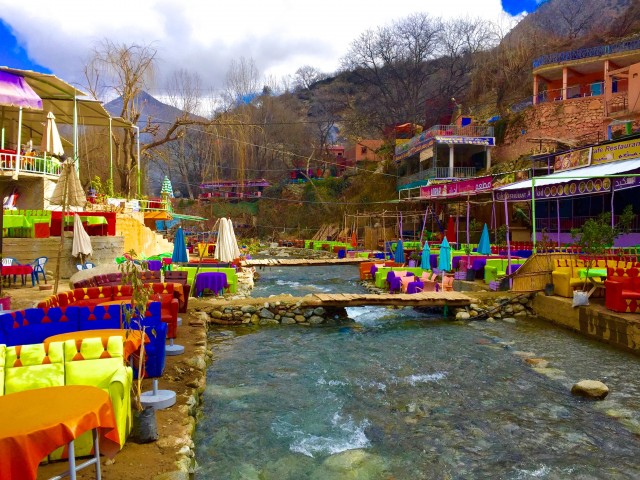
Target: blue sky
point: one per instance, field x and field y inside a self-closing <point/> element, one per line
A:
<point x="13" y="55"/>
<point x="515" y="7"/>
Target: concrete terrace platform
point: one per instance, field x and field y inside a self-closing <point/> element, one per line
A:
<point x="622" y="330"/>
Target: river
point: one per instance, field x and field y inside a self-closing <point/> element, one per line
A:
<point x="401" y="394"/>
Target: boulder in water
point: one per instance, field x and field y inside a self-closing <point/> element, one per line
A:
<point x="590" y="389"/>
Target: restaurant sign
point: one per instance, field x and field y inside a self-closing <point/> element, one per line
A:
<point x="456" y="189"/>
<point x="414" y="145"/>
<point x="571" y="160"/>
<point x="616" y="151"/>
<point x="460" y="140"/>
<point x="572" y="188"/>
<point x="611" y="152"/>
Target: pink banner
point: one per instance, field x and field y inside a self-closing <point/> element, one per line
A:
<point x="456" y="189"/>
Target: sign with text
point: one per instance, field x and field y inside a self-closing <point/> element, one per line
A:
<point x="456" y="189"/>
<point x="414" y="145"/>
<point x="459" y="140"/>
<point x="616" y="151"/>
<point x="573" y="188"/>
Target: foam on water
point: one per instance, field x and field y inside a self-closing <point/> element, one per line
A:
<point x="332" y="383"/>
<point x="344" y="434"/>
<point x="424" y="378"/>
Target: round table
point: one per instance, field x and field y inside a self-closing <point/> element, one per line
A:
<point x="47" y="418"/>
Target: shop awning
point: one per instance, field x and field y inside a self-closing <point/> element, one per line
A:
<point x="593" y="171"/>
<point x="592" y="180"/>
<point x="193" y="218"/>
<point x="16" y="92"/>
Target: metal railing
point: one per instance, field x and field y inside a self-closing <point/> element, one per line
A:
<point x="615" y="106"/>
<point x="586" y="53"/>
<point x="567" y="223"/>
<point x="30" y="164"/>
<point x="437" y="172"/>
<point x="455" y="130"/>
<point x="581" y="90"/>
<point x="458" y="172"/>
<point x="153" y="204"/>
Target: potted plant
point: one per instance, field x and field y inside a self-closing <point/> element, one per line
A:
<point x="594" y="237"/>
<point x="501" y="237"/>
<point x="471" y="273"/>
<point x="414" y="258"/>
<point x="545" y="246"/>
<point x="144" y="420"/>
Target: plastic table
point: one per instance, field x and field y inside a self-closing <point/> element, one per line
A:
<point x="214" y="281"/>
<point x="47" y="418"/>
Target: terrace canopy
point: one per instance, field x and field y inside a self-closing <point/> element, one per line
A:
<point x="16" y="92"/>
<point x="601" y="179"/>
<point x="69" y="105"/>
<point x="522" y="190"/>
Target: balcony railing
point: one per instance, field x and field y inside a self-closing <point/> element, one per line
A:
<point x="458" y="172"/>
<point x="457" y="131"/>
<point x="30" y="164"/>
<point x="153" y="204"/>
<point x="437" y="172"/>
<point x="582" y="90"/>
<point x="567" y="223"/>
<point x="587" y="53"/>
<point x="617" y="106"/>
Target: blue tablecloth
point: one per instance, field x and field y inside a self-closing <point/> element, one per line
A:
<point x="415" y="287"/>
<point x="214" y="281"/>
<point x="372" y="271"/>
<point x="154" y="265"/>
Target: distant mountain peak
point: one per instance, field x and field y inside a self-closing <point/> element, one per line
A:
<point x="151" y="107"/>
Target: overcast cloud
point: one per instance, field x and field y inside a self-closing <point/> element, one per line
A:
<point x="203" y="36"/>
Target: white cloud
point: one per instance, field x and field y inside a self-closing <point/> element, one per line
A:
<point x="203" y="36"/>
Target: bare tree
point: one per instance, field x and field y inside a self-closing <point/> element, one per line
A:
<point x="396" y="63"/>
<point x="126" y="71"/>
<point x="307" y="75"/>
<point x="242" y="82"/>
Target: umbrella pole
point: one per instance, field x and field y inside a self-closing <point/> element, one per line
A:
<point x="61" y="247"/>
<point x="206" y="247"/>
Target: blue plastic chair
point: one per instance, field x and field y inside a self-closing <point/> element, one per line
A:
<point x="38" y="269"/>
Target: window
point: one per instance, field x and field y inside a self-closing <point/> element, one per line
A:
<point x="363" y="150"/>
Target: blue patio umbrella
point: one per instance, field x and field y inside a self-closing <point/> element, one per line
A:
<point x="426" y="255"/>
<point x="399" y="255"/>
<point x="444" y="259"/>
<point x="179" y="248"/>
<point x="484" y="246"/>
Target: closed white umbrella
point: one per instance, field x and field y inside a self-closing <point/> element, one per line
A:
<point x="51" y="142"/>
<point x="222" y="244"/>
<point x="68" y="192"/>
<point x="233" y="243"/>
<point x="81" y="240"/>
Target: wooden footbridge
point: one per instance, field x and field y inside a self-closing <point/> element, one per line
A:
<point x="422" y="299"/>
<point x="302" y="262"/>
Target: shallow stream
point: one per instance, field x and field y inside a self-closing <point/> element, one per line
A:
<point x="407" y="395"/>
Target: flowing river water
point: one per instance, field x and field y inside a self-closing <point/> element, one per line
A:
<point x="402" y="394"/>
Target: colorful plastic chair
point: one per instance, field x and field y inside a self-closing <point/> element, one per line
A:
<point x="38" y="269"/>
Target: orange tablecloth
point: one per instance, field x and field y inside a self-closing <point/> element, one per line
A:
<point x="131" y="338"/>
<point x="36" y="422"/>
